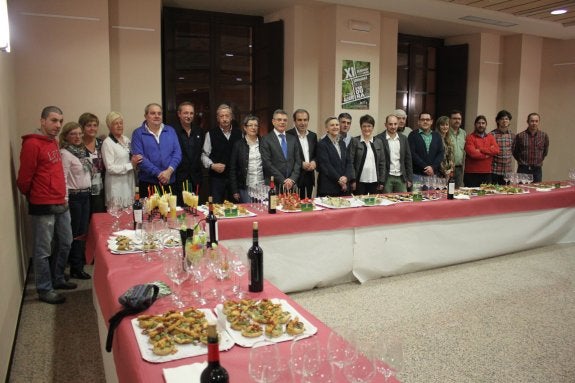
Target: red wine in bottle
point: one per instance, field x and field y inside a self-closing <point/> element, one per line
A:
<point x="214" y="372"/>
<point x="212" y="222"/>
<point x="451" y="187"/>
<point x="272" y="197"/>
<point x="138" y="210"/>
<point x="256" y="259"/>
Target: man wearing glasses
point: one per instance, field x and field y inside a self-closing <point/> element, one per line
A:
<point x="426" y="147"/>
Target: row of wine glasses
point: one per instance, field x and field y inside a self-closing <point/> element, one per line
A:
<point x="310" y="363"/>
<point x="259" y="196"/>
<point x="518" y="178"/>
<point x="572" y="176"/>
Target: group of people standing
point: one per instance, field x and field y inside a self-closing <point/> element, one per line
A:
<point x="67" y="172"/>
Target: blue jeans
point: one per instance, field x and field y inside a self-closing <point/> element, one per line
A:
<point x="44" y="228"/>
<point x="80" y="218"/>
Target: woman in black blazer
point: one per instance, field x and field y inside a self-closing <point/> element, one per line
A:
<point x="367" y="158"/>
<point x="333" y="165"/>
<point x="246" y="162"/>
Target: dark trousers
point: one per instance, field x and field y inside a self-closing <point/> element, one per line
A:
<point x="305" y="191"/>
<point x="473" y="180"/>
<point x="145" y="186"/>
<point x="498" y="179"/>
<point x="220" y="189"/>
<point x="178" y="188"/>
<point x="366" y="188"/>
<point x="80" y="218"/>
<point x="535" y="170"/>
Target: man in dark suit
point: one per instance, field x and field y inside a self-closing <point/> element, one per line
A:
<point x="280" y="154"/>
<point x="307" y="141"/>
<point x="191" y="138"/>
<point x="426" y="147"/>
<point x="334" y="166"/>
<point x="397" y="157"/>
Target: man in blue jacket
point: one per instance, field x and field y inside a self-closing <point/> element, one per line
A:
<point x="161" y="154"/>
<point x="426" y="147"/>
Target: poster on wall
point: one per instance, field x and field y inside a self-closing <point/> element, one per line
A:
<point x="355" y="84"/>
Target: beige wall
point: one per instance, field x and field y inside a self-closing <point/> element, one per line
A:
<point x="11" y="267"/>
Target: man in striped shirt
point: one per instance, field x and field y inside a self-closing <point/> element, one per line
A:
<point x="530" y="148"/>
<point x="501" y="164"/>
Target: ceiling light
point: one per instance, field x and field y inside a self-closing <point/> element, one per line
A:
<point x="558" y="11"/>
<point x="484" y="20"/>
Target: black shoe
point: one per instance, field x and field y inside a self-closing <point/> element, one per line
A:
<point x="52" y="297"/>
<point x="80" y="275"/>
<point x="65" y="285"/>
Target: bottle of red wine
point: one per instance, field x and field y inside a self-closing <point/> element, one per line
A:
<point x="214" y="372"/>
<point x="138" y="210"/>
<point x="272" y="197"/>
<point x="212" y="222"/>
<point x="450" y="187"/>
<point x="256" y="259"/>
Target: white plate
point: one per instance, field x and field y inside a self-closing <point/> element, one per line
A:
<point x="204" y="210"/>
<point x="249" y="342"/>
<point x="315" y="208"/>
<point x="353" y="203"/>
<point x="184" y="350"/>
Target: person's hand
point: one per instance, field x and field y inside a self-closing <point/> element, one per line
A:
<point x="380" y="187"/>
<point x="288" y="183"/>
<point x="236" y="196"/>
<point x="218" y="167"/>
<point x="136" y="159"/>
<point x="353" y="186"/>
<point x="428" y="170"/>
<point x="164" y="176"/>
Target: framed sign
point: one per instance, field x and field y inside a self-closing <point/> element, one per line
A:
<point x="355" y="84"/>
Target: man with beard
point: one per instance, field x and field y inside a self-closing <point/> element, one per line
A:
<point x="307" y="141"/>
<point x="479" y="149"/>
<point x="426" y="147"/>
<point x="530" y="148"/>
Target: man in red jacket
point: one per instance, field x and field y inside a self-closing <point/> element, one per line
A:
<point x="480" y="148"/>
<point x="41" y="179"/>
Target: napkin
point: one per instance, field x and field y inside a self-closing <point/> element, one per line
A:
<point x="184" y="374"/>
<point x="544" y="189"/>
<point x="461" y="196"/>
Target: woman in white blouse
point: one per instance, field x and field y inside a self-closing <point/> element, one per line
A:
<point x="119" y="163"/>
<point x="78" y="170"/>
<point x="367" y="159"/>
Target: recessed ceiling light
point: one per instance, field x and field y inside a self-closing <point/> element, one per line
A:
<point x="558" y="11"/>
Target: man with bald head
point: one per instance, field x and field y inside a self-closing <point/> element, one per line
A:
<point x="397" y="157"/>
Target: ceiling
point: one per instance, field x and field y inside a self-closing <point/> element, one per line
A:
<point x="538" y="9"/>
<point x="430" y="18"/>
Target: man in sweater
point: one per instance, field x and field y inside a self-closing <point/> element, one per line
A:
<point x="41" y="179"/>
<point x="480" y="148"/>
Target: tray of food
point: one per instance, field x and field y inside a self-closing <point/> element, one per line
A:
<point x="228" y="210"/>
<point x="409" y="197"/>
<point x="250" y="321"/>
<point x="175" y="334"/>
<point x="337" y="202"/>
<point x="372" y="200"/>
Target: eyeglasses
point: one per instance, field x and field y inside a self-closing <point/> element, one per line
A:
<point x="425" y="119"/>
<point x="76" y="134"/>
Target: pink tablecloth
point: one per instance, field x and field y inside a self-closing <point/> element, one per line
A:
<point x="114" y="274"/>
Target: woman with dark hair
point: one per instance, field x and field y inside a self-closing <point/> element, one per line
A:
<point x="447" y="166"/>
<point x="480" y="148"/>
<point x="367" y="157"/>
<point x="78" y="171"/>
<point x="333" y="164"/>
<point x="90" y="123"/>
<point x="246" y="162"/>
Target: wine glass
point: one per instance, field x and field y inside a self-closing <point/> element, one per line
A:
<point x="201" y="271"/>
<point x="305" y="357"/>
<point x="127" y="208"/>
<point x="149" y="242"/>
<point x="175" y="270"/>
<point x="220" y="268"/>
<point x="362" y="370"/>
<point x="507" y="178"/>
<point x="115" y="210"/>
<point x="340" y="348"/>
<point x="264" y="365"/>
<point x="572" y="176"/>
<point x="388" y="356"/>
<point x="238" y="261"/>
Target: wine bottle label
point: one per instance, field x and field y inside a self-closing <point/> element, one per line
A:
<point x="138" y="216"/>
<point x="273" y="201"/>
<point x="451" y="188"/>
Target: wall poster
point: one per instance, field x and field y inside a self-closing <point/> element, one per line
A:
<point x="355" y="84"/>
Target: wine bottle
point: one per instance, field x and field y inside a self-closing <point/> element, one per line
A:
<point x="256" y="259"/>
<point x="272" y="197"/>
<point x="450" y="187"/>
<point x="212" y="221"/>
<point x="138" y="210"/>
<point x="214" y="372"/>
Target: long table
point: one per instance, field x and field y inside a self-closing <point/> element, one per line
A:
<point x="331" y="246"/>
<point x="114" y="274"/>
